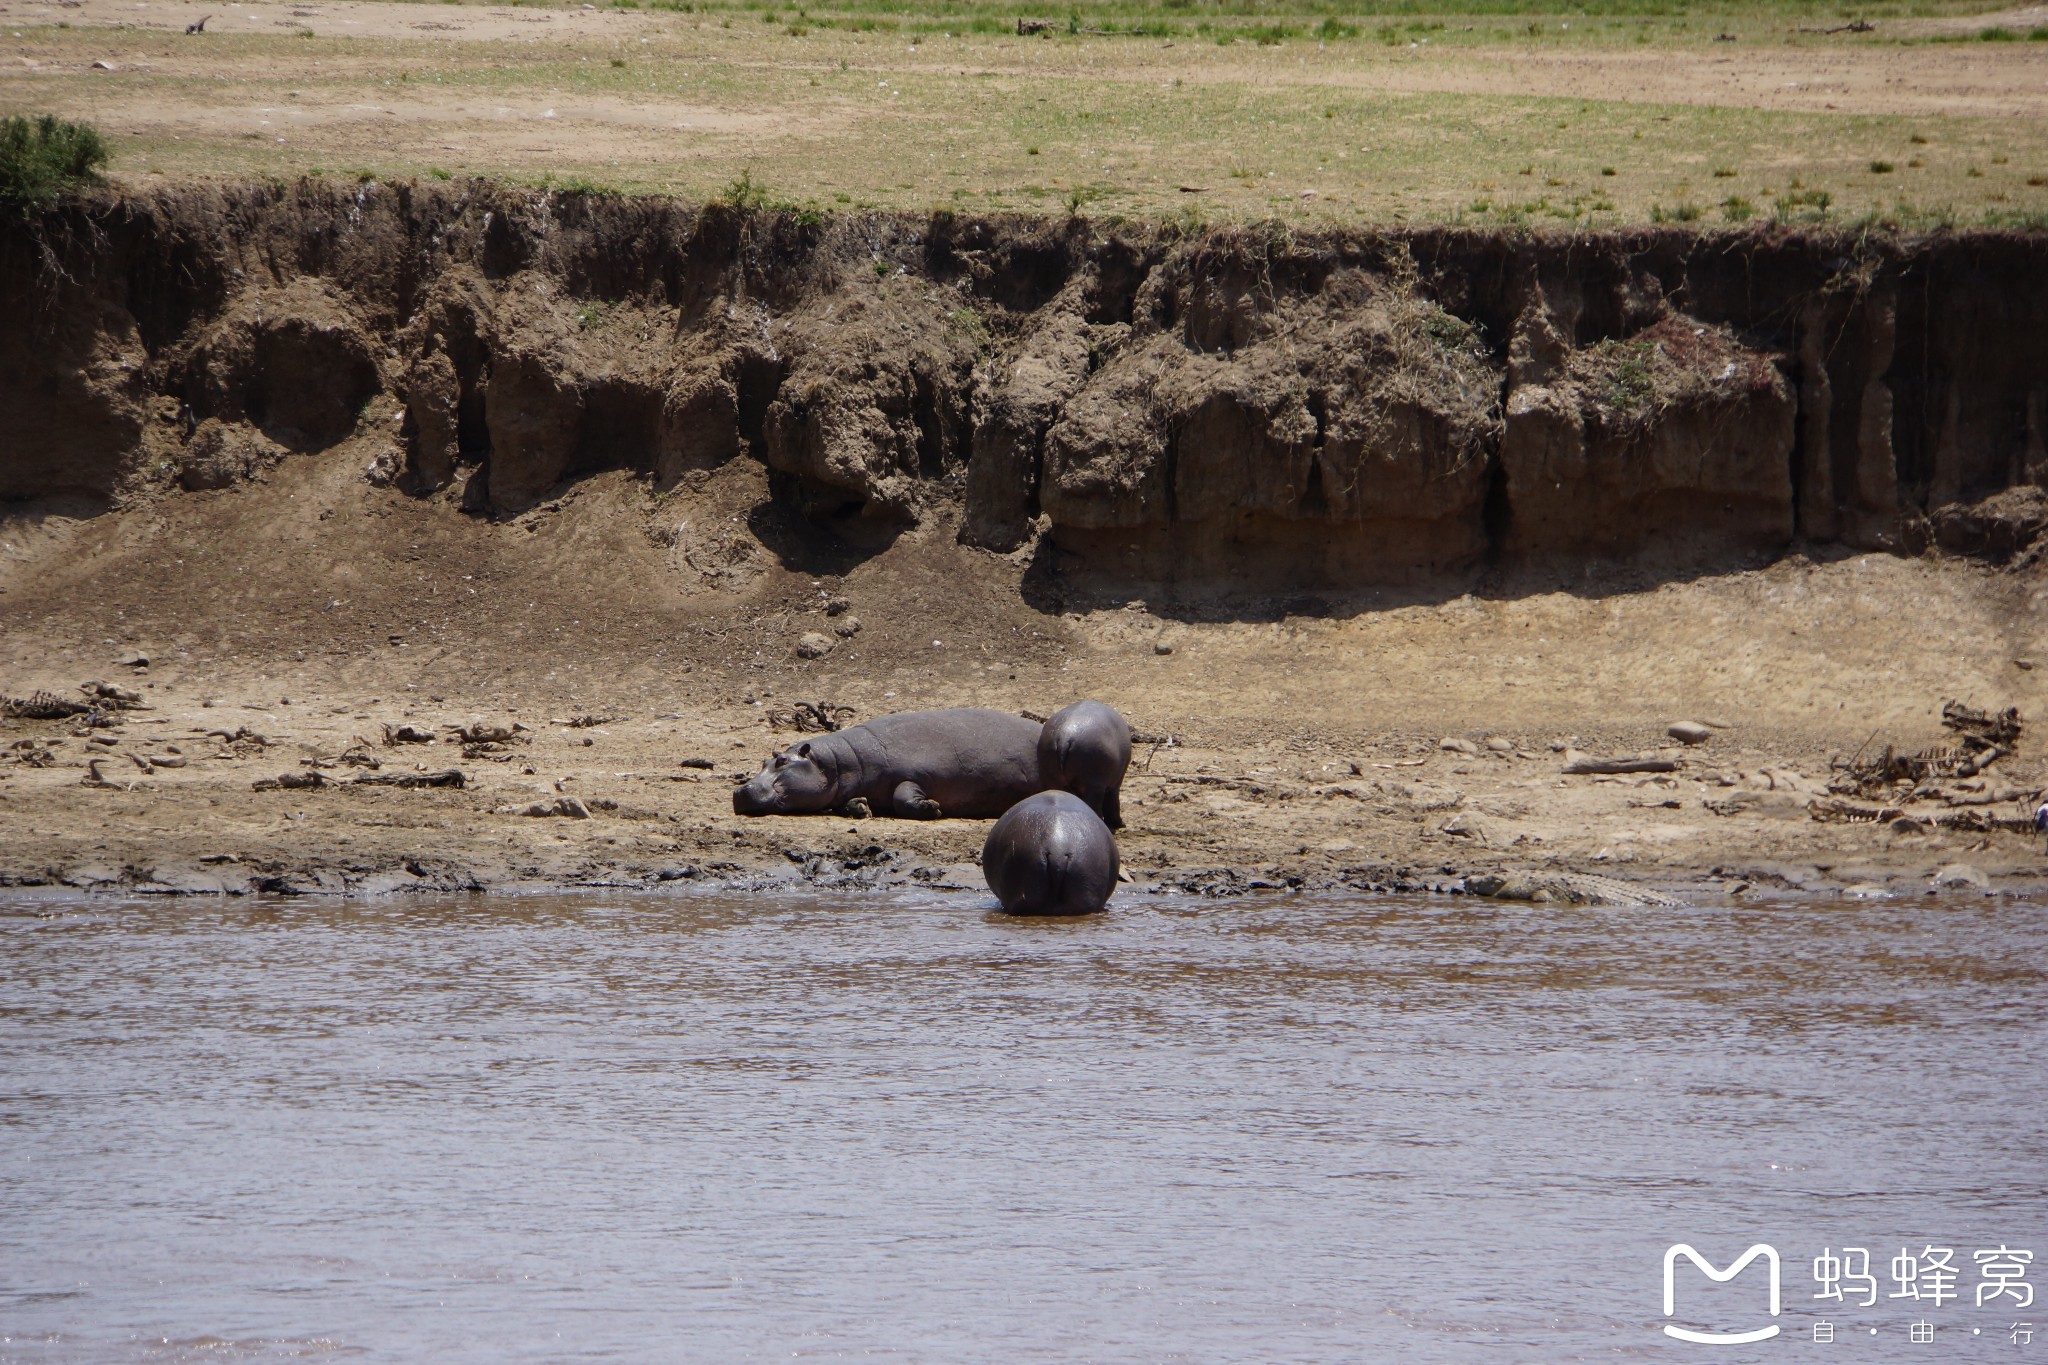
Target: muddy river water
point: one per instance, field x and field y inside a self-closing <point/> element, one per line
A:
<point x="728" y="1127"/>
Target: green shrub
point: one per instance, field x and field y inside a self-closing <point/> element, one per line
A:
<point x="744" y="195"/>
<point x="43" y="159"/>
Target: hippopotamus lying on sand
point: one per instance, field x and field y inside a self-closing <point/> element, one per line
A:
<point x="1050" y="855"/>
<point x="966" y="763"/>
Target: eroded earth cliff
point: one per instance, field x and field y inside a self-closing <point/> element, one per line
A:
<point x="1239" y="408"/>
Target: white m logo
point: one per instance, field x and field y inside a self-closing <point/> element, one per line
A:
<point x="1671" y="1255"/>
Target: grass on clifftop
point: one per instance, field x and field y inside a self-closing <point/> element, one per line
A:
<point x="1497" y="115"/>
<point x="44" y="158"/>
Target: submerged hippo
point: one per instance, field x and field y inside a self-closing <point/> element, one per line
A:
<point x="1084" y="749"/>
<point x="966" y="763"/>
<point x="1050" y="855"/>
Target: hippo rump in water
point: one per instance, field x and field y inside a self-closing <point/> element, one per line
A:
<point x="1050" y="854"/>
<point x="1084" y="749"/>
<point x="965" y="763"/>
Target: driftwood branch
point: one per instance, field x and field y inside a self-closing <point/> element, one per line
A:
<point x="1582" y="765"/>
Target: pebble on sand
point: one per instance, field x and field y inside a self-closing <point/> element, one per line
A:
<point x="1690" y="732"/>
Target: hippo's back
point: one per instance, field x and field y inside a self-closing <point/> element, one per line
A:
<point x="958" y="729"/>
<point x="975" y="763"/>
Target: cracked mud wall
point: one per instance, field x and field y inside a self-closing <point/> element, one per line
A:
<point x="1238" y="409"/>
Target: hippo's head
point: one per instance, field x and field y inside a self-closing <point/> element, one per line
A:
<point x="791" y="783"/>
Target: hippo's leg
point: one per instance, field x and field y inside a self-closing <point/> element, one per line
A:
<point x="1112" y="809"/>
<point x="856" y="809"/>
<point x="910" y="801"/>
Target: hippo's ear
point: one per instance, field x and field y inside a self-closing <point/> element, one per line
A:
<point x="803" y="750"/>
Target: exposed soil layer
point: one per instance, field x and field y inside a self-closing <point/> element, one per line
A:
<point x="420" y="455"/>
<point x="1247" y="409"/>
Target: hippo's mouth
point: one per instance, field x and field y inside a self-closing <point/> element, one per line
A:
<point x="748" y="801"/>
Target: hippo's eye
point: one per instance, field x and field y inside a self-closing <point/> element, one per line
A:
<point x="782" y="760"/>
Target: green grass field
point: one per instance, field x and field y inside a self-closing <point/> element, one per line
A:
<point x="1622" y="112"/>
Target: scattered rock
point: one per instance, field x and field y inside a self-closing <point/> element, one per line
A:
<point x="814" y="645"/>
<point x="86" y="875"/>
<point x="811" y="717"/>
<point x="1500" y="744"/>
<point x="847" y="628"/>
<point x="1690" y="732"/>
<point x="1961" y="877"/>
<point x="224" y="454"/>
<point x="704" y="763"/>
<point x="1752" y="801"/>
<point x="306" y="781"/>
<point x="838" y="606"/>
<point x="480" y="733"/>
<point x="1161" y="647"/>
<point x="445" y="777"/>
<point x="567" y="806"/>
<point x="109" y="694"/>
<point x="384" y="468"/>
<point x="1999" y="528"/>
<point x="1459" y="746"/>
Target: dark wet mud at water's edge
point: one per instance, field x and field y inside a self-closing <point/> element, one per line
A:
<point x="721" y="1126"/>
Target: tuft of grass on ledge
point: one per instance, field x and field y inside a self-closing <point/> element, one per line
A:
<point x="42" y="159"/>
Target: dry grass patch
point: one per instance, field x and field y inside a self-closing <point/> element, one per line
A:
<point x="1396" y="122"/>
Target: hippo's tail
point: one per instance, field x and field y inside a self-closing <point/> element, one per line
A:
<point x="1059" y="873"/>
